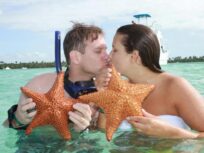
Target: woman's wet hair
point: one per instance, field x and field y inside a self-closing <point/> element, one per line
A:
<point x="141" y="38"/>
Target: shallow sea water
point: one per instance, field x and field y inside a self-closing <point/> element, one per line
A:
<point x="46" y="139"/>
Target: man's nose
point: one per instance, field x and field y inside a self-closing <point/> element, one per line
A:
<point x="105" y="55"/>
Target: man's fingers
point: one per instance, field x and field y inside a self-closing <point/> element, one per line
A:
<point x="32" y="114"/>
<point x="78" y="120"/>
<point x="27" y="101"/>
<point x="84" y="109"/>
<point x="27" y="107"/>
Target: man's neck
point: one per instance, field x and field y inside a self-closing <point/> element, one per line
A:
<point x="75" y="75"/>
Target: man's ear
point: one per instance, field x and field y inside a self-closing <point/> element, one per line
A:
<point x="135" y="57"/>
<point x="75" y="56"/>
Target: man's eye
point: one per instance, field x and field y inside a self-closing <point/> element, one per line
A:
<point x="114" y="50"/>
<point x="98" y="51"/>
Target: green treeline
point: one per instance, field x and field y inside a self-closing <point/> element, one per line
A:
<point x="186" y="59"/>
<point x="28" y="65"/>
<point x="42" y="64"/>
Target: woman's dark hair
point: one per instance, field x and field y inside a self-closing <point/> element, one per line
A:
<point x="142" y="38"/>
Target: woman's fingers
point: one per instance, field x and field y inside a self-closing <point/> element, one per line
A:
<point x="103" y="78"/>
<point x="139" y="119"/>
<point x="142" y="124"/>
<point x="146" y="114"/>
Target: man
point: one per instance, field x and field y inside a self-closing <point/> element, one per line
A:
<point x="85" y="52"/>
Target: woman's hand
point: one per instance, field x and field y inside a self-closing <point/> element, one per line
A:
<point x="102" y="79"/>
<point x="153" y="126"/>
<point x="26" y="111"/>
<point x="81" y="116"/>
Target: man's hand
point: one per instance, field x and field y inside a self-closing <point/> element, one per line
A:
<point x="23" y="113"/>
<point x="81" y="116"/>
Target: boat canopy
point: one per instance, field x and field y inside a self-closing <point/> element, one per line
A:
<point x="142" y="15"/>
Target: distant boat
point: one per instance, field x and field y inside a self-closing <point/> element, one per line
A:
<point x="7" y="68"/>
<point x="143" y="19"/>
<point x="24" y="68"/>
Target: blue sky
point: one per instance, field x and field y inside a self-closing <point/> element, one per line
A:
<point x="27" y="26"/>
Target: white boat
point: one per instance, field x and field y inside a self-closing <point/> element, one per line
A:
<point x="164" y="55"/>
<point x="7" y="68"/>
<point x="143" y="19"/>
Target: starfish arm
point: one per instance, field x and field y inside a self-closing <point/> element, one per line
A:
<point x="140" y="91"/>
<point x="60" y="122"/>
<point x="39" y="120"/>
<point x="67" y="104"/>
<point x="101" y="98"/>
<point x="37" y="97"/>
<point x="114" y="83"/>
<point x="58" y="86"/>
<point x="113" y="120"/>
<point x="133" y="107"/>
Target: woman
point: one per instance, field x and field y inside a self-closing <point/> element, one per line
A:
<point x="174" y="104"/>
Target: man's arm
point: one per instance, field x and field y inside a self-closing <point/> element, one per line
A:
<point x="22" y="114"/>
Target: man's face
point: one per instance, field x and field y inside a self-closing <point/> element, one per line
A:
<point x="95" y="56"/>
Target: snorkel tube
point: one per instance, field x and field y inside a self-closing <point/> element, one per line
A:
<point x="57" y="52"/>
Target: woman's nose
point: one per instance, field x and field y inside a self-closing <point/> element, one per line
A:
<point x="110" y="55"/>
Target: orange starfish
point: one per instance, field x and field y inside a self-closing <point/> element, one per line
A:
<point x="52" y="108"/>
<point x="120" y="100"/>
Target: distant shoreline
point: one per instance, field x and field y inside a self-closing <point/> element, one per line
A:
<point x="28" y="65"/>
<point x="20" y="65"/>
<point x="189" y="59"/>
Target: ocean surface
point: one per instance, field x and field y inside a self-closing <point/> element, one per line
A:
<point x="46" y="140"/>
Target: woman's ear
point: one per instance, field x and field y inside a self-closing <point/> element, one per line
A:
<point x="135" y="57"/>
<point x="75" y="56"/>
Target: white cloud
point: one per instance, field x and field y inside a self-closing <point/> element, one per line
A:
<point x="45" y="15"/>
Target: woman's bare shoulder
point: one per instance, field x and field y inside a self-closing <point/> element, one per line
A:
<point x="173" y="80"/>
<point x="179" y="87"/>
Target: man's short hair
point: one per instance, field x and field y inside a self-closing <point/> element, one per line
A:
<point x="75" y="38"/>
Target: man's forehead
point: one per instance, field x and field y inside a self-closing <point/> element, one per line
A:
<point x="97" y="43"/>
<point x="101" y="46"/>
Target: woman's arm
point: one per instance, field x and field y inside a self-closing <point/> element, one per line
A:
<point x="188" y="103"/>
<point x="153" y="126"/>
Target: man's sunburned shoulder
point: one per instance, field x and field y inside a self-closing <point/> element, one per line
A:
<point x="42" y="82"/>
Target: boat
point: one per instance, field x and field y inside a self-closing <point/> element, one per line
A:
<point x="144" y="19"/>
<point x="7" y="68"/>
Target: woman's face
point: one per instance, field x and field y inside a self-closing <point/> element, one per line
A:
<point x="119" y="57"/>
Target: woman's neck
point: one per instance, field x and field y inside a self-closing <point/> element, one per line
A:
<point x="143" y="75"/>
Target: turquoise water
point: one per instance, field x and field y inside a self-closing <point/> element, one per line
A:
<point x="45" y="139"/>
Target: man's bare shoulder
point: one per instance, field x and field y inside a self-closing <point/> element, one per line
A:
<point x="42" y="82"/>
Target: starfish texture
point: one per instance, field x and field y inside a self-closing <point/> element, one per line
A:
<point x="52" y="108"/>
<point x="120" y="100"/>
